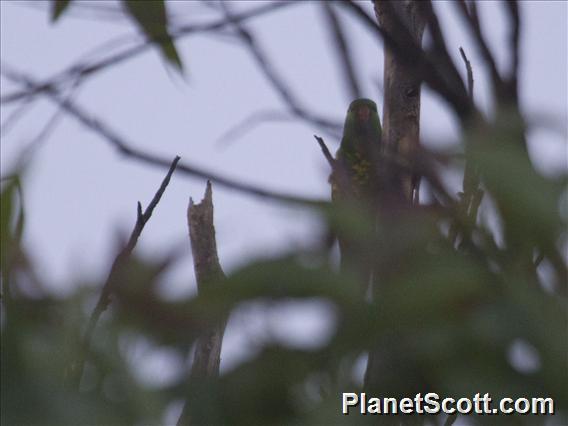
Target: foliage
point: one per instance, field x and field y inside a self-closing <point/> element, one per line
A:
<point x="444" y="315"/>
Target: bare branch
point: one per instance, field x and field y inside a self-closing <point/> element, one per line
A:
<point x="208" y="272"/>
<point x="408" y="52"/>
<point x="469" y="73"/>
<point x="326" y="152"/>
<point x="472" y="195"/>
<point x="15" y="115"/>
<point x="128" y="149"/>
<point x="203" y="243"/>
<point x="514" y="41"/>
<point x="113" y="276"/>
<point x="49" y="127"/>
<point x="472" y="19"/>
<point x="250" y="122"/>
<point x="82" y="71"/>
<point x="440" y="51"/>
<point x="342" y="47"/>
<point x="261" y="117"/>
<point x="272" y="75"/>
<point x="82" y="10"/>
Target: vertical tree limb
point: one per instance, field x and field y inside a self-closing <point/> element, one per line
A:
<point x="401" y="104"/>
<point x="208" y="272"/>
<point x="401" y="128"/>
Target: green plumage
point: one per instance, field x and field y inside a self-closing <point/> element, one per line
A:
<point x="354" y="178"/>
<point x="358" y="153"/>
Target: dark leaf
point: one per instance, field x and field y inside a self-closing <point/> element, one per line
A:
<point x="11" y="211"/>
<point x="58" y="7"/>
<point x="152" y="18"/>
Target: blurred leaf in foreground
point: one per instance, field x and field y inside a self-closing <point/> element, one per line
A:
<point x="58" y="7"/>
<point x="152" y="18"/>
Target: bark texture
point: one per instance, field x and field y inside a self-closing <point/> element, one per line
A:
<point x="401" y="104"/>
<point x="208" y="272"/>
<point x="401" y="128"/>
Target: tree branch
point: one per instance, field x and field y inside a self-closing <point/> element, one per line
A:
<point x="342" y="47"/>
<point x="409" y="53"/>
<point x="469" y="70"/>
<point x="81" y="71"/>
<point x="401" y="123"/>
<point x="269" y="71"/>
<point x="472" y="19"/>
<point x="262" y="117"/>
<point x="208" y="272"/>
<point x="472" y="195"/>
<point x="514" y="46"/>
<point x="401" y="106"/>
<point x="440" y="53"/>
<point x="128" y="149"/>
<point x="325" y="151"/>
<point x="113" y="277"/>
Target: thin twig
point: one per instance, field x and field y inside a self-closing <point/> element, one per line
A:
<point x="82" y="10"/>
<point x="472" y="19"/>
<point x="472" y="195"/>
<point x="118" y="264"/>
<point x="15" y="115"/>
<point x="255" y="119"/>
<point x="49" y="127"/>
<point x="342" y="47"/>
<point x="82" y="71"/>
<point x="469" y="73"/>
<point x="326" y="152"/>
<point x="514" y="48"/>
<point x="442" y="55"/>
<point x="271" y="74"/>
<point x="129" y="149"/>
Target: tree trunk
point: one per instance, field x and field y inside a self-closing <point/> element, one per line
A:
<point x="401" y="102"/>
<point x="401" y="126"/>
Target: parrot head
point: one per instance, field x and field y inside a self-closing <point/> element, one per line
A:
<point x="362" y="115"/>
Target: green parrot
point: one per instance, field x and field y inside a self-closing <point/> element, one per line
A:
<point x="359" y="150"/>
<point x="355" y="175"/>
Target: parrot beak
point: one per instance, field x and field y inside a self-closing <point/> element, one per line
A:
<point x="363" y="114"/>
